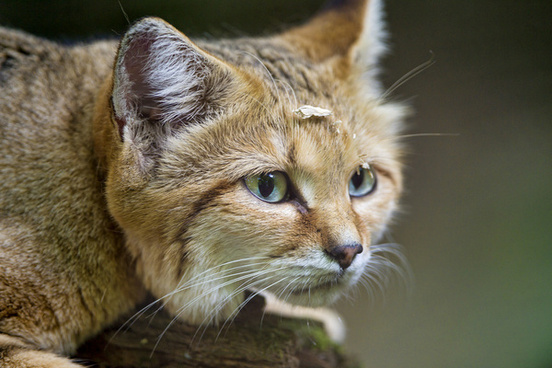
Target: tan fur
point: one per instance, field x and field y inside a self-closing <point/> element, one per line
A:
<point x="108" y="191"/>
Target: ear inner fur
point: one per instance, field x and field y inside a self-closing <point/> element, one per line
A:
<point x="163" y="81"/>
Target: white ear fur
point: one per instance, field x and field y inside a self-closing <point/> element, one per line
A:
<point x="353" y="29"/>
<point x="370" y="47"/>
<point x="371" y="44"/>
<point x="162" y="77"/>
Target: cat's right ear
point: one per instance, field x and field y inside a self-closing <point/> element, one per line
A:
<point x="348" y="30"/>
<point x="162" y="82"/>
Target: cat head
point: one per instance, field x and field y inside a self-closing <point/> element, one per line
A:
<point x="251" y="164"/>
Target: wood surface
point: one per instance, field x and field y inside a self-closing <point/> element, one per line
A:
<point x="252" y="340"/>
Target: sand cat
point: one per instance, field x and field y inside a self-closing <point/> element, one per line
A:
<point x="192" y="170"/>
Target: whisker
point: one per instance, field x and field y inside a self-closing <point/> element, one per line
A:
<point x="248" y="276"/>
<point x="223" y="273"/>
<point x="211" y="269"/>
<point x="387" y="261"/>
<point x="399" y="262"/>
<point x="411" y="74"/>
<point x="131" y="320"/>
<point x="290" y="88"/>
<point x="243" y="286"/>
<point x="291" y="290"/>
<point x="188" y="285"/>
<point x="266" y="70"/>
<point x="416" y="135"/>
<point x="280" y="293"/>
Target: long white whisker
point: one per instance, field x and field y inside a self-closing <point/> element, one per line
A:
<point x="131" y="320"/>
<point x="248" y="276"/>
<point x="290" y="88"/>
<point x="187" y="285"/>
<point x="224" y="276"/>
<point x="415" y="135"/>
<point x="398" y="262"/>
<point x="267" y="72"/>
<point x="241" y="288"/>
<point x="202" y="282"/>
<point x="211" y="269"/>
<point x="411" y="74"/>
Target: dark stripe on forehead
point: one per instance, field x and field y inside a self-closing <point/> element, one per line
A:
<point x="291" y="154"/>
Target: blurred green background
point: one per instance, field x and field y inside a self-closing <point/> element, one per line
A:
<point x="477" y="225"/>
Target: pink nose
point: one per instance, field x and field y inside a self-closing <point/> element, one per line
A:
<point x="345" y="254"/>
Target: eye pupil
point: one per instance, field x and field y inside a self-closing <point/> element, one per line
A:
<point x="358" y="179"/>
<point x="266" y="185"/>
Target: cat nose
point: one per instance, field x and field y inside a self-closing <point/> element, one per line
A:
<point x="345" y="254"/>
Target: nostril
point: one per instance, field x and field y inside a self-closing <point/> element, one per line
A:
<point x="345" y="254"/>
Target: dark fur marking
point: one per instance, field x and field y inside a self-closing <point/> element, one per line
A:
<point x="291" y="153"/>
<point x="208" y="197"/>
<point x="84" y="304"/>
<point x="8" y="312"/>
<point x="5" y="351"/>
<point x="307" y="84"/>
<point x="204" y="202"/>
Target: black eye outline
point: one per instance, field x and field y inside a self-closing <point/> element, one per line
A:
<point x="274" y="180"/>
<point x="363" y="181"/>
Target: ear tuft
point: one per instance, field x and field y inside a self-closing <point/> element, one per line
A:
<point x="162" y="78"/>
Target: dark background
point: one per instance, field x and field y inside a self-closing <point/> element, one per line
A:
<point x="477" y="225"/>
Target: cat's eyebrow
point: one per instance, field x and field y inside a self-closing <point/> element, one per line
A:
<point x="257" y="164"/>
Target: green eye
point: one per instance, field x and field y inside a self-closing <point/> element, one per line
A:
<point x="271" y="187"/>
<point x="362" y="182"/>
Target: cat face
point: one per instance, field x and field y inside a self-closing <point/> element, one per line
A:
<point x="221" y="181"/>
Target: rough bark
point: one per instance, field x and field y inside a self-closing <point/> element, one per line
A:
<point x="253" y="340"/>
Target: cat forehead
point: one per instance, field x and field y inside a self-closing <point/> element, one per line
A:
<point x="270" y="129"/>
<point x="315" y="148"/>
<point x="281" y="68"/>
<point x="259" y="141"/>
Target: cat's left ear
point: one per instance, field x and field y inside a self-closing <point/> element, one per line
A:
<point x="352" y="30"/>
<point x="162" y="81"/>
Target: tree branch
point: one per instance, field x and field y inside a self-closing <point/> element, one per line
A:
<point x="253" y="340"/>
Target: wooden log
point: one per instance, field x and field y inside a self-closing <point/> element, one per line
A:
<point x="252" y="340"/>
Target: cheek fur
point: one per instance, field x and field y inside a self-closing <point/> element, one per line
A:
<point x="376" y="210"/>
